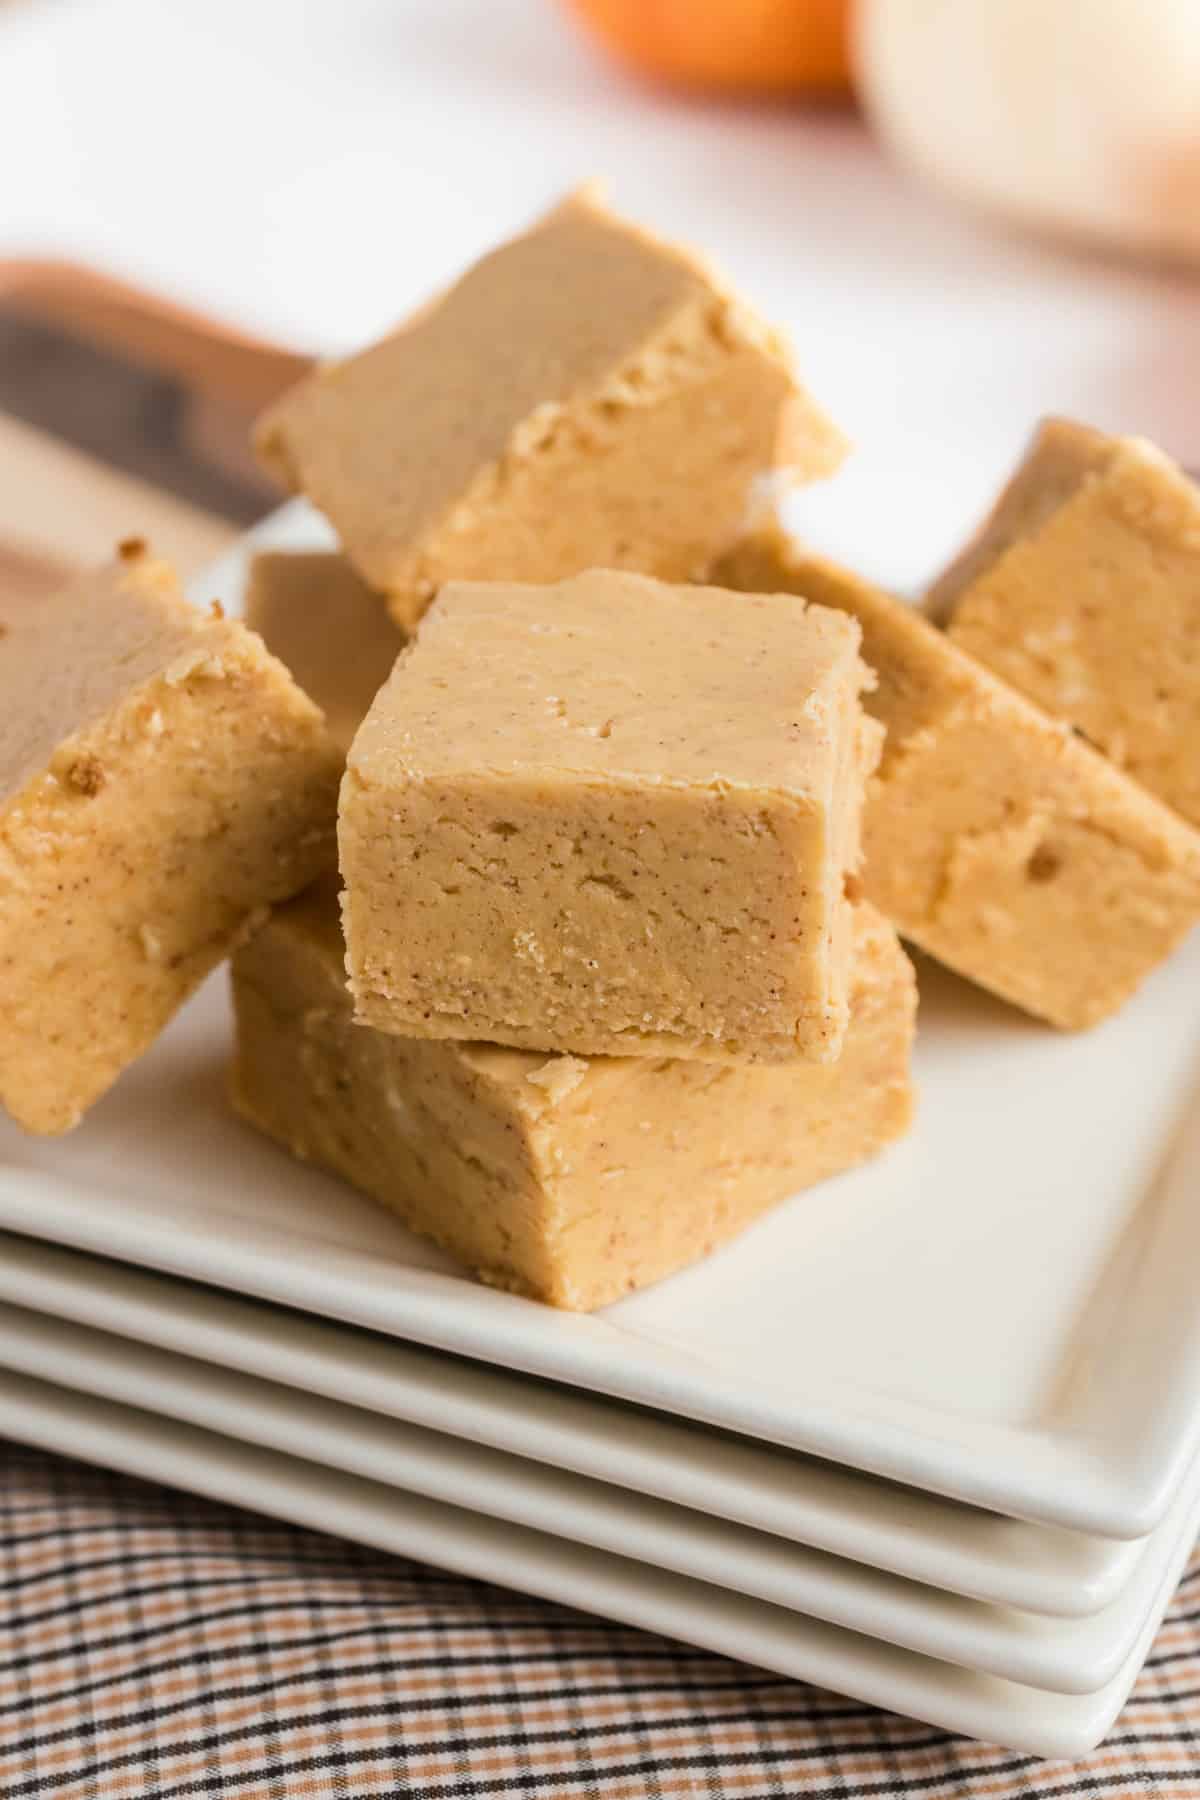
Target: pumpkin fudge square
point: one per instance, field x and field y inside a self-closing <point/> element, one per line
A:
<point x="1083" y="590"/>
<point x="613" y="817"/>
<point x="570" y="1180"/>
<point x="586" y="396"/>
<point x="993" y="836"/>
<point x="162" y="782"/>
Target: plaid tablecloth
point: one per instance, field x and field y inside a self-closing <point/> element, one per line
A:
<point x="155" y="1646"/>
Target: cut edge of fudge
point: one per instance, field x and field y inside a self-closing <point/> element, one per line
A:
<point x="994" y="837"/>
<point x="569" y="1180"/>
<point x="519" y="504"/>
<point x="1094" y="615"/>
<point x="1056" y="462"/>
<point x="570" y="880"/>
<point x="190" y="795"/>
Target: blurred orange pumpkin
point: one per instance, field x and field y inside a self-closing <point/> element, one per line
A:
<point x="763" y="46"/>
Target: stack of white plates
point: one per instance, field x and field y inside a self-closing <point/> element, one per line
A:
<point x="928" y="1435"/>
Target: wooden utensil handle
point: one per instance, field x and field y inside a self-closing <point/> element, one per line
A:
<point x="217" y="361"/>
<point x="66" y="492"/>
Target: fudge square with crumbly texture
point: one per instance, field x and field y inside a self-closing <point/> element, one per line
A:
<point x="994" y="837"/>
<point x="613" y="817"/>
<point x="333" y="632"/>
<point x="162" y="781"/>
<point x="586" y="396"/>
<point x="570" y="1180"/>
<point x="1083" y="591"/>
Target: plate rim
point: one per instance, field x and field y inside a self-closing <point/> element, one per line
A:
<point x="492" y="1406"/>
<point x="950" y="1698"/>
<point x="1073" y="1480"/>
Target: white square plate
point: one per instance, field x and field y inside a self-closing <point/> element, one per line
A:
<point x="962" y="1549"/>
<point x="1002" y="1309"/>
<point x="1076" y="1656"/>
<point x="470" y="1543"/>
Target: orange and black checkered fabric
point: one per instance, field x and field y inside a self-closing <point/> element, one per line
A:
<point x="157" y="1647"/>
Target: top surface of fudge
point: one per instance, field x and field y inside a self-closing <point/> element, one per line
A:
<point x="1059" y="460"/>
<point x="449" y="368"/>
<point x="616" y="677"/>
<point x="68" y="658"/>
<point x="332" y="631"/>
<point x="584" y="396"/>
<point x="1088" y="600"/>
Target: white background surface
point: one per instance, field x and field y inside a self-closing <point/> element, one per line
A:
<point x="313" y="167"/>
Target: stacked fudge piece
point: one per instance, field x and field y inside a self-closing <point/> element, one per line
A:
<point x="607" y="817"/>
<point x="612" y="1000"/>
<point x="611" y="989"/>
